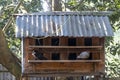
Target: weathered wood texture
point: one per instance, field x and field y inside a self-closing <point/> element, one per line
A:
<point x="95" y="65"/>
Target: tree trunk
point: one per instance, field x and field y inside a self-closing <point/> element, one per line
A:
<point x="51" y="5"/>
<point x="7" y="59"/>
<point x="57" y="5"/>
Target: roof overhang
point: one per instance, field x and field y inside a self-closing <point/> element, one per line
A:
<point x="71" y="24"/>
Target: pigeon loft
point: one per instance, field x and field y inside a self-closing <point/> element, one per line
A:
<point x="63" y="43"/>
<point x="61" y="58"/>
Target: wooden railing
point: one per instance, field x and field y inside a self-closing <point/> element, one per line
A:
<point x="98" y="47"/>
<point x="37" y="61"/>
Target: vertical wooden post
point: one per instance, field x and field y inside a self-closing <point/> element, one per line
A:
<point x="80" y="41"/>
<point x="95" y="55"/>
<point x="57" y="6"/>
<point x="101" y="65"/>
<point x="31" y="42"/>
<point x="47" y="42"/>
<point x="63" y="42"/>
<point x="25" y="57"/>
<point x="95" y="42"/>
<point x="102" y="55"/>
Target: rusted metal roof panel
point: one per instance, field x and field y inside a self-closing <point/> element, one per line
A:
<point x="65" y="24"/>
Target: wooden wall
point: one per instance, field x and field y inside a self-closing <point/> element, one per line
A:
<point x="94" y="65"/>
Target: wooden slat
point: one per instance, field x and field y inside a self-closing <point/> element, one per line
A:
<point x="63" y="74"/>
<point x="95" y="41"/>
<point x="46" y="41"/>
<point x="80" y="41"/>
<point x="37" y="61"/>
<point x="63" y="52"/>
<point x="65" y="46"/>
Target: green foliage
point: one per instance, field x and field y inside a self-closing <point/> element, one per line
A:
<point x="94" y="5"/>
<point x="32" y="5"/>
<point x="112" y="48"/>
<point x="112" y="57"/>
<point x="113" y="65"/>
<point x="6" y="10"/>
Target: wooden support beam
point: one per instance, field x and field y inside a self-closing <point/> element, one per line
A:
<point x="65" y="47"/>
<point x="87" y="61"/>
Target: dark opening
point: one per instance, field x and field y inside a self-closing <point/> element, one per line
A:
<point x="71" y="41"/>
<point x="72" y="56"/>
<point x="55" y="56"/>
<point x="39" y="42"/>
<point x="90" y="57"/>
<point x="55" y="42"/>
<point x="88" y="41"/>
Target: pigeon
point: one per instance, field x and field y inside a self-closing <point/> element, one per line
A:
<point x="84" y="55"/>
<point x="38" y="56"/>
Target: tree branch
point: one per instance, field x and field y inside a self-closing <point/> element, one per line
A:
<point x="80" y="3"/>
<point x="7" y="59"/>
<point x="10" y="20"/>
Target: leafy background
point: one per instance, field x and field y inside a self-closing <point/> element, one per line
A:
<point x="112" y="46"/>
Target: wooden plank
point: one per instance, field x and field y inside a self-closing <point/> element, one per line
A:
<point x="37" y="61"/>
<point x="26" y="56"/>
<point x="65" y="46"/>
<point x="58" y="66"/>
<point x="31" y="41"/>
<point x="26" y="66"/>
<point x="54" y="67"/>
<point x="96" y="56"/>
<point x="95" y="41"/>
<point x="74" y="74"/>
<point x="63" y="52"/>
<point x="80" y="41"/>
<point x="101" y="66"/>
<point x="102" y="43"/>
<point x="46" y="41"/>
<point x="63" y="41"/>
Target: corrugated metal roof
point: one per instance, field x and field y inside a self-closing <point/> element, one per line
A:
<point x="69" y="24"/>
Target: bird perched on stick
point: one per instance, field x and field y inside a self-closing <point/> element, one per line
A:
<point x="84" y="55"/>
<point x="38" y="56"/>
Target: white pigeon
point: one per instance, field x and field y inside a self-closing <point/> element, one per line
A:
<point x="84" y="55"/>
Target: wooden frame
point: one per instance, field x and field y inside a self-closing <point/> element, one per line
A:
<point x="94" y="65"/>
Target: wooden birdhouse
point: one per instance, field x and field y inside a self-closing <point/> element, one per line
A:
<point x="63" y="43"/>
